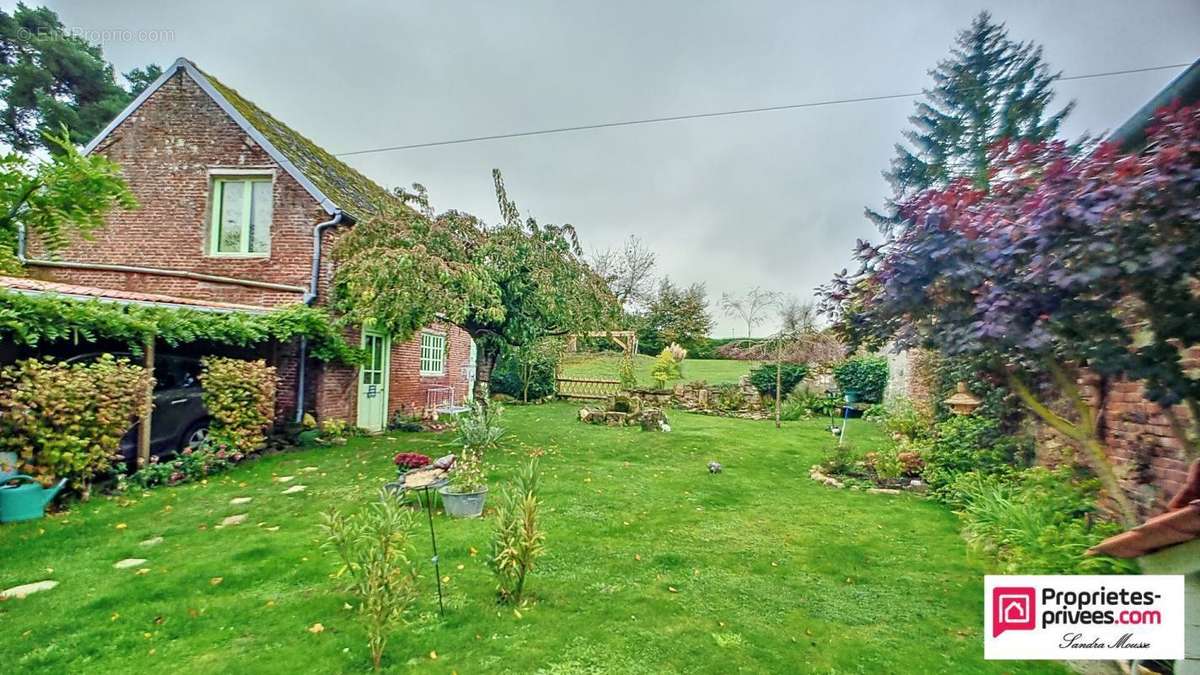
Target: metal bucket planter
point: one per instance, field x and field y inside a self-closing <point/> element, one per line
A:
<point x="463" y="504"/>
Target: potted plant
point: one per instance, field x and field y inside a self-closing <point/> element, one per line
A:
<point x="407" y="461"/>
<point x="464" y="496"/>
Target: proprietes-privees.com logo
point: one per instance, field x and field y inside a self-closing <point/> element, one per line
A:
<point x="1083" y="617"/>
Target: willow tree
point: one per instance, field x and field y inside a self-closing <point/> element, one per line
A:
<point x="506" y="285"/>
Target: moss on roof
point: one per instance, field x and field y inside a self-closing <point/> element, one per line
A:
<point x="351" y="191"/>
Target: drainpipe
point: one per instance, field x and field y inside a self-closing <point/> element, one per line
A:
<point x="21" y="243"/>
<point x="310" y="297"/>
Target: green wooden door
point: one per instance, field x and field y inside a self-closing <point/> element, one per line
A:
<point x="373" y="381"/>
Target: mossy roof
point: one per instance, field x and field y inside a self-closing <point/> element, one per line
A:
<point x="358" y="195"/>
<point x="333" y="183"/>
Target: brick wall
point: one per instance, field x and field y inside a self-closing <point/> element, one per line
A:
<point x="407" y="387"/>
<point x="166" y="150"/>
<point x="335" y="394"/>
<point x="1140" y="443"/>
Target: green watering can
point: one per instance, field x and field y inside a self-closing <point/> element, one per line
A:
<point x="26" y="501"/>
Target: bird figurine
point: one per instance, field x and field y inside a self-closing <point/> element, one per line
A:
<point x="714" y="467"/>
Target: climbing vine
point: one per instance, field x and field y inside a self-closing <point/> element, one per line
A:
<point x="31" y="320"/>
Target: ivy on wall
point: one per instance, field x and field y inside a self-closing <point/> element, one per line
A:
<point x="31" y="320"/>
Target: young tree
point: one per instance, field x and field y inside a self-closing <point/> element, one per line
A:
<point x="1063" y="262"/>
<point x="629" y="272"/>
<point x="749" y="307"/>
<point x="510" y="284"/>
<point x="50" y="78"/>
<point x="675" y="314"/>
<point x="50" y="200"/>
<point x="798" y="341"/>
<point x="990" y="89"/>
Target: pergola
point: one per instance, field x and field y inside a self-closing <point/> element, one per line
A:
<point x="625" y="339"/>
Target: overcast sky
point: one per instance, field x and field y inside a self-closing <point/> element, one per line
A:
<point x="772" y="199"/>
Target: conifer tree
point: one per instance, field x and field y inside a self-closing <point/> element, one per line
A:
<point x="991" y="88"/>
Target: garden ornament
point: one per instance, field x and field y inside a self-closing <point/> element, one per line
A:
<point x="27" y="500"/>
<point x="714" y="467"/>
<point x="962" y="402"/>
<point x="445" y="462"/>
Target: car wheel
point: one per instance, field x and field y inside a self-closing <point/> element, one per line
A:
<point x="195" y="436"/>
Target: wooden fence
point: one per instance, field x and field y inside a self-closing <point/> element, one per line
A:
<point x="570" y="387"/>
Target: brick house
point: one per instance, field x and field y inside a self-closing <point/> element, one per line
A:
<point x="239" y="211"/>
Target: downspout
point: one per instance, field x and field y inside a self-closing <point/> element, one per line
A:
<point x="21" y="244"/>
<point x="310" y="297"/>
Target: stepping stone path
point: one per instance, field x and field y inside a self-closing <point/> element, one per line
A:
<point x="241" y="500"/>
<point x="284" y="479"/>
<point x="26" y="589"/>
<point x="234" y="520"/>
<point x="128" y="562"/>
<point x="309" y="469"/>
<point x="153" y="541"/>
<point x="294" y="489"/>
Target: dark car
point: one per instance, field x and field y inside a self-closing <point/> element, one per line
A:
<point x="179" y="419"/>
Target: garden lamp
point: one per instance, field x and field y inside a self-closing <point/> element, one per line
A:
<point x="962" y="402"/>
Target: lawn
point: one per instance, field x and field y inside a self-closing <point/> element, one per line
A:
<point x="654" y="565"/>
<point x="606" y="365"/>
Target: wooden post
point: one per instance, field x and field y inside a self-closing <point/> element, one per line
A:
<point x="143" y="443"/>
<point x="778" y="378"/>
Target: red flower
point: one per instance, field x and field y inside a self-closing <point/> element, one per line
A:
<point x="410" y="460"/>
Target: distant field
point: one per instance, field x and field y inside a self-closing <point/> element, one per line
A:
<point x="606" y="365"/>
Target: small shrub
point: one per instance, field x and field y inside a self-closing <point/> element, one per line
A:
<point x="888" y="465"/>
<point x="211" y="458"/>
<point x="802" y="404"/>
<point x="334" y="432"/>
<point x="404" y="421"/>
<point x="791" y="375"/>
<point x="526" y="374"/>
<point x="840" y="459"/>
<point x="665" y="368"/>
<point x="866" y="375"/>
<point x="728" y="397"/>
<point x="66" y="420"/>
<point x="468" y="474"/>
<point x="967" y="443"/>
<point x="479" y="428"/>
<point x="240" y="397"/>
<point x="901" y="420"/>
<point x="627" y="373"/>
<point x="519" y="540"/>
<point x="1036" y="521"/>
<point x="374" y="550"/>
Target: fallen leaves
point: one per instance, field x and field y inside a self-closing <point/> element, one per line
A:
<point x="121" y="526"/>
<point x="316" y="628"/>
<point x="216" y="581"/>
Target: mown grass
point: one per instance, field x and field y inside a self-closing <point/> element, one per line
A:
<point x="654" y="566"/>
<point x="607" y="365"/>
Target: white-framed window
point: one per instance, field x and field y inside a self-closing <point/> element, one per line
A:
<point x="241" y="215"/>
<point x="433" y="354"/>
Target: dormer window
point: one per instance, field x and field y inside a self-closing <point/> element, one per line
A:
<point x="241" y="216"/>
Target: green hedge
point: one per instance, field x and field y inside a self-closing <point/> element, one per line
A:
<point x="790" y="375"/>
<point x="506" y="377"/>
<point x="866" y="375"/>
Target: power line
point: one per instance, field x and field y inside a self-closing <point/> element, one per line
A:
<point x="723" y="113"/>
